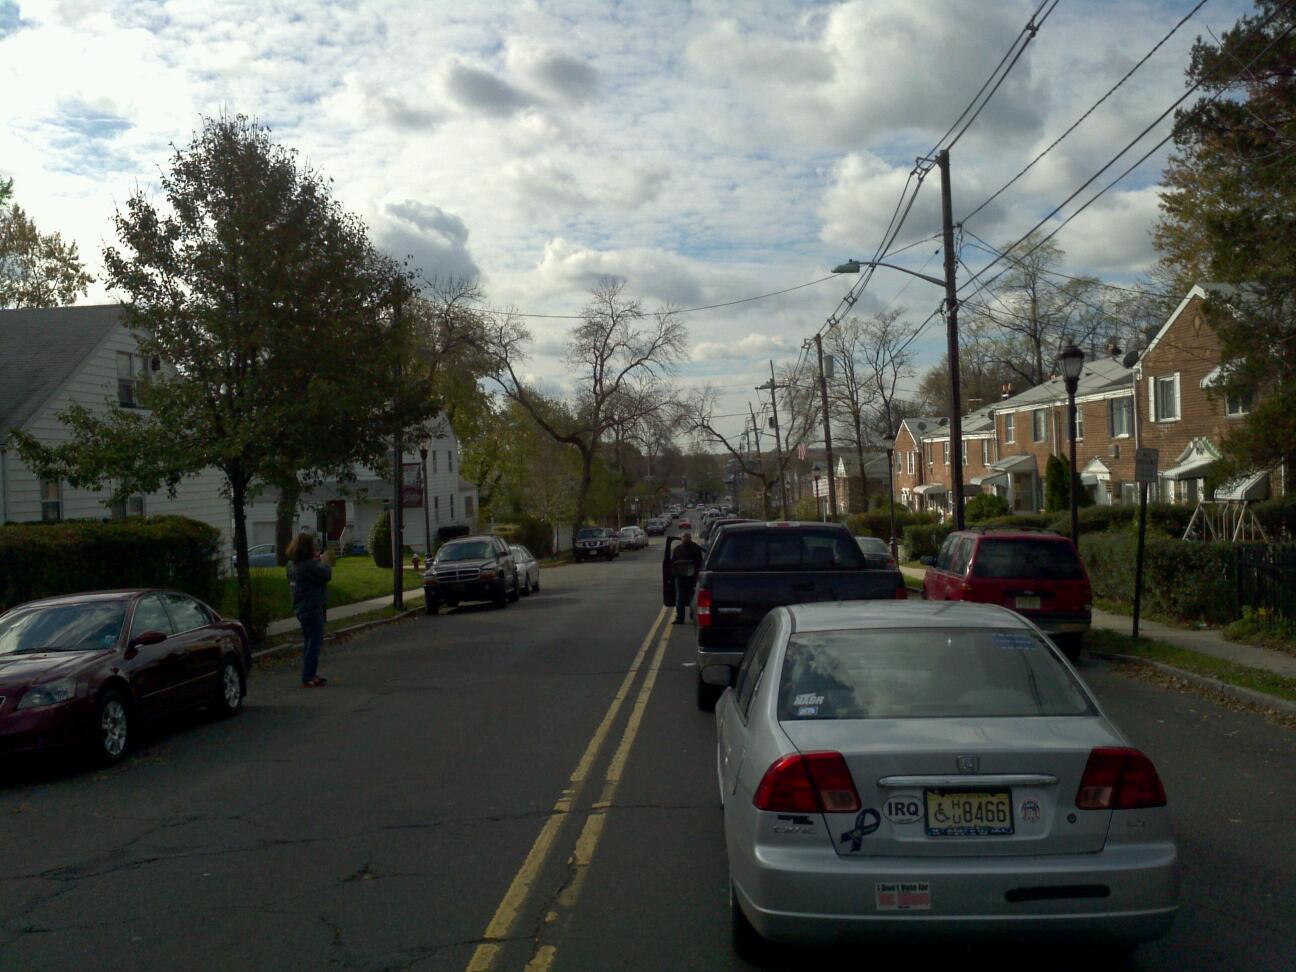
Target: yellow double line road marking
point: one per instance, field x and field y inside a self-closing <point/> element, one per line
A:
<point x="510" y="906"/>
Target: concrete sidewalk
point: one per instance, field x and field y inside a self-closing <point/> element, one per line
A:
<point x="1206" y="642"/>
<point x="413" y="599"/>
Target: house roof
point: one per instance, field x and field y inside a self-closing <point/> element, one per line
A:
<point x="1098" y="376"/>
<point x="40" y="349"/>
<point x="921" y="426"/>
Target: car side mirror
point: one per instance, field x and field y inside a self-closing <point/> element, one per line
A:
<point x="928" y="561"/>
<point x="149" y="636"/>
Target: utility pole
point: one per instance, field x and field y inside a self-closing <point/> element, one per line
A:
<point x="951" y="328"/>
<point x="778" y="442"/>
<point x="827" y="419"/>
<point x="760" y="464"/>
<point x="398" y="483"/>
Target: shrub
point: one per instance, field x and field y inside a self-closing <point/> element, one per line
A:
<point x="925" y="539"/>
<point x="984" y="506"/>
<point x="1021" y="521"/>
<point x="535" y="535"/>
<point x="380" y="541"/>
<point x="1184" y="579"/>
<point x="1163" y="519"/>
<point x="1277" y="516"/>
<point x="43" y="560"/>
<point x="877" y="523"/>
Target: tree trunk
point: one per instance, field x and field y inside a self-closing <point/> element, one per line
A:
<point x="238" y="504"/>
<point x="859" y="456"/>
<point x="285" y="513"/>
<point x="582" y="492"/>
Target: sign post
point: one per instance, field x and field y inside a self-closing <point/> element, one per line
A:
<point x="1145" y="473"/>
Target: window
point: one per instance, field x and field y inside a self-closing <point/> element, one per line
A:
<point x="946" y="554"/>
<point x="436" y="509"/>
<point x="132" y="370"/>
<point x="1165" y="398"/>
<point x="960" y="556"/>
<point x="1237" y="404"/>
<point x="51" y="495"/>
<point x="1079" y="422"/>
<point x="911" y="462"/>
<point x="452" y="512"/>
<point x="468" y="506"/>
<point x="186" y="612"/>
<point x="945" y="446"/>
<point x="130" y="506"/>
<point x="899" y="462"/>
<point x="434" y="461"/>
<point x="928" y="447"/>
<point x="150" y="615"/>
<point x="1039" y="425"/>
<point x="753" y="665"/>
<point x="1128" y="493"/>
<point x="785" y="550"/>
<point x="449" y="460"/>
<point x="1120" y="417"/>
<point x="985" y="452"/>
<point x="1008" y="428"/>
<point x="1036" y="559"/>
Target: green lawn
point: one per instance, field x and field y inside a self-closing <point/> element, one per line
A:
<point x="1193" y="661"/>
<point x="354" y="579"/>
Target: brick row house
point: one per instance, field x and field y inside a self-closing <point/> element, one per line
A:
<point x="1160" y="398"/>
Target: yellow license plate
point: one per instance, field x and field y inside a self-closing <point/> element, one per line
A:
<point x="968" y="813"/>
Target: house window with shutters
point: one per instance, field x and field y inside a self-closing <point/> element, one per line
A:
<point x="1008" y="428"/>
<point x="130" y="506"/>
<point x="1039" y="425"/>
<point x="1165" y="398"/>
<point x="1235" y="405"/>
<point x="132" y="372"/>
<point x="1120" y="417"/>
<point x="985" y="452"/>
<point x="51" y="494"/>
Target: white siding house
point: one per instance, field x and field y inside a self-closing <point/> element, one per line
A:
<point x="51" y="359"/>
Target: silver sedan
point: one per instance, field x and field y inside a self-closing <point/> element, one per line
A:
<point x="528" y="569"/>
<point x="927" y="770"/>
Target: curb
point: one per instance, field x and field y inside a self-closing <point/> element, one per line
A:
<point x="1235" y="692"/>
<point x="338" y="635"/>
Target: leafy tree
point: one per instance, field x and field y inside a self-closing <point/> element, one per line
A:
<point x="983" y="506"/>
<point x="36" y="269"/>
<point x="1229" y="215"/>
<point x="278" y="324"/>
<point x="1057" y="486"/>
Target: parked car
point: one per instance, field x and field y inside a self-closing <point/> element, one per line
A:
<point x="683" y="525"/>
<point x="262" y="555"/>
<point x="876" y="551"/>
<point x="919" y="771"/>
<point x="713" y="528"/>
<point x="89" y="669"/>
<point x="592" y="542"/>
<point x="632" y="538"/>
<point x="753" y="568"/>
<point x="656" y="526"/>
<point x="471" y="569"/>
<point x="528" y="568"/>
<point x="1036" y="573"/>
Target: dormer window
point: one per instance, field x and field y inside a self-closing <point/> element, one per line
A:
<point x="132" y="372"/>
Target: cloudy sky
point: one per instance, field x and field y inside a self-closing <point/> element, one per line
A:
<point x="703" y="152"/>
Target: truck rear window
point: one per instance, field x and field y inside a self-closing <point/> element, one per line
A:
<point x="785" y="550"/>
<point x="1033" y="559"/>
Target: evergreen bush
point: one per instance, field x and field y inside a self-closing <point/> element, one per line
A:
<point x="380" y="541"/>
<point x="984" y="506"/>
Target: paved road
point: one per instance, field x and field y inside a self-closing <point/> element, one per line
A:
<point x="442" y="787"/>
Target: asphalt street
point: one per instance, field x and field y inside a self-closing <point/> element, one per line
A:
<point x="526" y="788"/>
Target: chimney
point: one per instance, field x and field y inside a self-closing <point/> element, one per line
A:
<point x="1005" y="390"/>
<point x="1113" y="348"/>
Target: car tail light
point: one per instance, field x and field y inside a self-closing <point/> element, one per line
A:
<point x="966" y="590"/>
<point x="808" y="783"/>
<point x="702" y="613"/>
<point x="1116" y="778"/>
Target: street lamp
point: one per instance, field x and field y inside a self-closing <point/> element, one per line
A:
<point x="816" y="471"/>
<point x="427" y="523"/>
<point x="1072" y="361"/>
<point x="888" y="443"/>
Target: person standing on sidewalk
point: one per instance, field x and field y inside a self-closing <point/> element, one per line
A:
<point x="686" y="560"/>
<point x="307" y="577"/>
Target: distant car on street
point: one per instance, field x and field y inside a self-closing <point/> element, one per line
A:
<point x="632" y="538"/>
<point x="917" y="771"/>
<point x="90" y="669"/>
<point x="262" y="555"/>
<point x="595" y="542"/>
<point x="528" y="568"/>
<point x="1035" y="573"/>
<point x="656" y="526"/>
<point x="877" y="552"/>
<point x="471" y="569"/>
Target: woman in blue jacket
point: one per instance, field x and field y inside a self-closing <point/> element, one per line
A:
<point x="307" y="577"/>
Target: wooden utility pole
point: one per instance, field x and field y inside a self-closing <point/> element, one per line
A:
<point x="951" y="330"/>
<point x="760" y="464"/>
<point x="778" y="442"/>
<point x="398" y="483"/>
<point x="827" y="420"/>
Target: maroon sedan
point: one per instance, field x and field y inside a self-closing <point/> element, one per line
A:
<point x="89" y="668"/>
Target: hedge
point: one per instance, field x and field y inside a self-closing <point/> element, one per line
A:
<point x="1021" y="521"/>
<point x="1277" y="516"/>
<point x="925" y="539"/>
<point x="985" y="506"/>
<point x="877" y="523"/>
<point x="1184" y="579"/>
<point x="47" y="559"/>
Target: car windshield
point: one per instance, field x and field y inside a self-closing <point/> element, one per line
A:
<point x="872" y="545"/>
<point x="1036" y="559"/>
<point x="468" y="550"/>
<point x="590" y="533"/>
<point x="911" y="673"/>
<point x="785" y="550"/>
<point x="63" y="627"/>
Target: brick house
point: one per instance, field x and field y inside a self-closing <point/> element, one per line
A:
<point x="912" y="483"/>
<point x="980" y="451"/>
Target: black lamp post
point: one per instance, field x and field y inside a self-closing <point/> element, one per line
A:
<point x="1072" y="361"/>
<point x="427" y="523"/>
<point x="888" y="443"/>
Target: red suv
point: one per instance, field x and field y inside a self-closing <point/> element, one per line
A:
<point x="1036" y="574"/>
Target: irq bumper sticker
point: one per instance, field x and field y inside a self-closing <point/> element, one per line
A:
<point x="904" y="896"/>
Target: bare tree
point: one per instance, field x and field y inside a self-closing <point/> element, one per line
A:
<point x="623" y="358"/>
<point x="696" y="416"/>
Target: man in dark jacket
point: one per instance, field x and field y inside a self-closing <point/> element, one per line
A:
<point x="686" y="561"/>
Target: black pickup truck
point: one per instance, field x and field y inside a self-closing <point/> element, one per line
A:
<point x="754" y="567"/>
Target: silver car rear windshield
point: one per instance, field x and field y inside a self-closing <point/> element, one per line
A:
<point x="925" y="673"/>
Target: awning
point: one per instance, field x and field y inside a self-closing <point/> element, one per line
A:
<point x="1015" y="464"/>
<point x="928" y="489"/>
<point x="1252" y="486"/>
<point x="988" y="479"/>
<point x="1211" y="378"/>
<point x="1194" y="468"/>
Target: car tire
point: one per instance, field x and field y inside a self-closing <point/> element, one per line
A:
<point x="707" y="695"/>
<point x="515" y="595"/>
<point x="1070" y="645"/>
<point x="747" y="941"/>
<point x="500" y="599"/>
<point x="536" y="587"/>
<point x="113" y="726"/>
<point x="229" y="698"/>
<point x="526" y="588"/>
<point x="431" y="605"/>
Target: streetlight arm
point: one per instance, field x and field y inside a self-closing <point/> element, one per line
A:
<point x="854" y="266"/>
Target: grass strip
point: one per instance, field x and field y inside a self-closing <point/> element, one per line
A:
<point x="1226" y="671"/>
<point x="354" y="579"/>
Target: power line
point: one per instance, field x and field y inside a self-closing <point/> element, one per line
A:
<point x="1089" y="111"/>
<point x="989" y="248"/>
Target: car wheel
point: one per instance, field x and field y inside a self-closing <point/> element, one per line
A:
<point x="535" y="588"/>
<point x="430" y="604"/>
<point x="112" y="727"/>
<point x="230" y="699"/>
<point x="526" y="588"/>
<point x="515" y="595"/>
<point x="500" y="598"/>
<point x="1071" y="645"/>
<point x="707" y="695"/>
<point x="747" y="941"/>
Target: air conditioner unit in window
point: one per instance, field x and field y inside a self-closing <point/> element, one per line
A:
<point x="1113" y="450"/>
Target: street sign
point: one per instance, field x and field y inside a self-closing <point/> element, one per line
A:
<point x="1145" y="466"/>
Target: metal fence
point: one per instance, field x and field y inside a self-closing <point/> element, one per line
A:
<point x="1266" y="585"/>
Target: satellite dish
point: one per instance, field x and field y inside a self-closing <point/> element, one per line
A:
<point x="1130" y="359"/>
